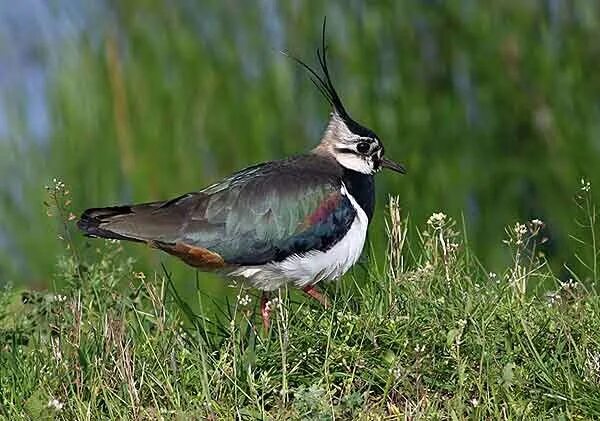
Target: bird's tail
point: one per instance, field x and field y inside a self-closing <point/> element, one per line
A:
<point x="143" y="222"/>
<point x="96" y="222"/>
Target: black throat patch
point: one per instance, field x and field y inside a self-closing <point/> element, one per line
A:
<point x="362" y="188"/>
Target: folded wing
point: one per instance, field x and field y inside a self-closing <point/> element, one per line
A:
<point x="262" y="214"/>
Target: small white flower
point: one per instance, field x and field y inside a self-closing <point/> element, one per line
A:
<point x="273" y="304"/>
<point x="244" y="300"/>
<point x="139" y="275"/>
<point x="586" y="186"/>
<point x="55" y="404"/>
<point x="462" y="322"/>
<point x="553" y="298"/>
<point x="396" y="372"/>
<point x="520" y="229"/>
<point x="437" y="219"/>
<point x="57" y="185"/>
<point x="474" y="402"/>
<point x="492" y="275"/>
<point x="537" y="223"/>
<point x="570" y="284"/>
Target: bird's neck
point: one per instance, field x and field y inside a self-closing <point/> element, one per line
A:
<point x="362" y="188"/>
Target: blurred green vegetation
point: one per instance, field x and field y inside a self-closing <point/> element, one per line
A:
<point x="494" y="107"/>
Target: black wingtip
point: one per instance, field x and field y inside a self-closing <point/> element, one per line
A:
<point x="91" y="219"/>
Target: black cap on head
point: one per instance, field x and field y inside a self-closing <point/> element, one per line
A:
<point x="325" y="86"/>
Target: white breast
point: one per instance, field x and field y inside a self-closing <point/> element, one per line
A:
<point x="315" y="266"/>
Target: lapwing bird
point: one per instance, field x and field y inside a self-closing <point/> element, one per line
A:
<point x="299" y="221"/>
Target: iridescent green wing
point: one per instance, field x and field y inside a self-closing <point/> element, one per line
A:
<point x="270" y="212"/>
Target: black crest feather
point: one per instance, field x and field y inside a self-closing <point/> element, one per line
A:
<point x="323" y="82"/>
<point x="325" y="86"/>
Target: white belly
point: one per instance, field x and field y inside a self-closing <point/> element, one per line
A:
<point x="315" y="266"/>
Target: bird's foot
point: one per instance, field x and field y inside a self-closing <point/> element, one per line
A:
<point x="319" y="296"/>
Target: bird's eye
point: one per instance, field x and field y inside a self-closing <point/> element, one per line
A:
<point x="363" y="147"/>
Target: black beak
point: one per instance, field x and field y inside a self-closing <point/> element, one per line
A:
<point x="394" y="166"/>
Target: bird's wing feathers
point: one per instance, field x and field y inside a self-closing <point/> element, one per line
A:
<point x="269" y="218"/>
<point x="262" y="214"/>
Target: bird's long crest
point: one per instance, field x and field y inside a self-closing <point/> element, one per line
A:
<point x="323" y="82"/>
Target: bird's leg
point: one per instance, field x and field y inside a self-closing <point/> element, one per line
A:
<point x="319" y="296"/>
<point x="264" y="311"/>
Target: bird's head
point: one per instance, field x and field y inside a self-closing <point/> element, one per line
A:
<point x="353" y="145"/>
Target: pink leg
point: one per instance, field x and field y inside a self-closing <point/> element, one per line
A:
<point x="264" y="311"/>
<point x="319" y="296"/>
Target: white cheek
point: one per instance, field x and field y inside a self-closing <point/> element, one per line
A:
<point x="355" y="163"/>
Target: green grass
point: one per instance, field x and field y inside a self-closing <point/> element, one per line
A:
<point x="430" y="334"/>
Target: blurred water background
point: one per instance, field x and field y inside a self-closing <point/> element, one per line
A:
<point x="494" y="107"/>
